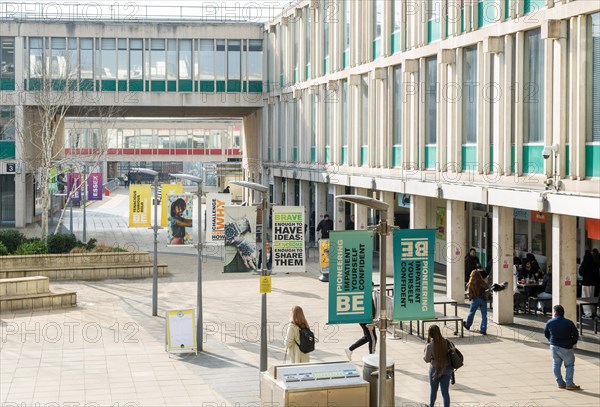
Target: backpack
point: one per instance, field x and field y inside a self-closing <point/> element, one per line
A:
<point x="455" y="357"/>
<point x="307" y="340"/>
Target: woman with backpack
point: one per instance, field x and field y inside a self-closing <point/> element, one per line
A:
<point x="477" y="294"/>
<point x="292" y="337"/>
<point x="440" y="370"/>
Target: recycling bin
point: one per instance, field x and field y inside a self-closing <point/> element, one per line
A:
<point x="371" y="374"/>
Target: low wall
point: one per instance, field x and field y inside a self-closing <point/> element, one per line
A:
<point x="72" y="260"/>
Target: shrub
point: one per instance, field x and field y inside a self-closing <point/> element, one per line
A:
<point x="33" y="246"/>
<point x="11" y="239"/>
<point x="3" y="250"/>
<point x="102" y="248"/>
<point x="61" y="243"/>
<point x="119" y="250"/>
<point x="79" y="249"/>
<point x="90" y="244"/>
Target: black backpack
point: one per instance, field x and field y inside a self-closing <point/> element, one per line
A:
<point x="307" y="340"/>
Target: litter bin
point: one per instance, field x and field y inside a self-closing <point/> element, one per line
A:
<point x="371" y="374"/>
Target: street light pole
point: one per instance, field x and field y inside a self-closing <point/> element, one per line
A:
<point x="382" y="230"/>
<point x="199" y="318"/>
<point x="84" y="199"/>
<point x="264" y="272"/>
<point x="155" y="227"/>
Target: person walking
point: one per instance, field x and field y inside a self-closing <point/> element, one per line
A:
<point x="440" y="369"/>
<point x="325" y="226"/>
<point x="292" y="337"/>
<point x="369" y="336"/>
<point x="589" y="275"/>
<point x="471" y="263"/>
<point x="562" y="334"/>
<point x="350" y="224"/>
<point x="477" y="294"/>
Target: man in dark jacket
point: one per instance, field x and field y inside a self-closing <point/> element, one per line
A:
<point x="562" y="334"/>
<point x="325" y="226"/>
<point x="471" y="263"/>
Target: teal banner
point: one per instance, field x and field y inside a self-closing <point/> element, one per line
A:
<point x="413" y="274"/>
<point x="350" y="277"/>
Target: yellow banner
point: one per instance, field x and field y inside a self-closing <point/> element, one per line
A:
<point x="139" y="206"/>
<point x="265" y="284"/>
<point x="324" y="255"/>
<point x="167" y="189"/>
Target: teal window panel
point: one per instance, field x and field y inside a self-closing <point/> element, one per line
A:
<point x="7" y="149"/>
<point x="25" y="84"/>
<point x="364" y="155"/>
<point x="147" y="86"/>
<point x="313" y="154"/>
<point x="171" y="86"/>
<point x="7" y="84"/>
<point x="327" y="154"/>
<point x="326" y="65"/>
<point x="97" y="84"/>
<point x="506" y="9"/>
<point x="396" y="156"/>
<point x="196" y="86"/>
<point x="278" y="153"/>
<point x="344" y="155"/>
<point x="220" y="86"/>
<point x="533" y="5"/>
<point x="234" y="86"/>
<point x="86" y="85"/>
<point x="433" y="30"/>
<point x="490" y="161"/>
<point x="469" y="157"/>
<point x="295" y="154"/>
<point x="307" y="71"/>
<point x="59" y="84"/>
<point x="281" y="80"/>
<point x="109" y="85"/>
<point x="567" y="161"/>
<point x="136" y="85"/>
<point x="122" y="85"/>
<point x="513" y="159"/>
<point x="185" y="85"/>
<point x="207" y="86"/>
<point x="377" y="48"/>
<point x="269" y="154"/>
<point x="462" y="20"/>
<point x="396" y="46"/>
<point x="244" y="86"/>
<point x="158" y="86"/>
<point x="430" y="157"/>
<point x="592" y="160"/>
<point x="486" y="11"/>
<point x="533" y="162"/>
<point x="346" y="58"/>
<point x="255" y="87"/>
<point x="73" y="85"/>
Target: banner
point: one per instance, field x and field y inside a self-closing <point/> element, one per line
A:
<point x="241" y="253"/>
<point x="167" y="189"/>
<point x="139" y="206"/>
<point x="180" y="219"/>
<point x="52" y="181"/>
<point x="413" y="274"/>
<point x="351" y="276"/>
<point x="288" y="238"/>
<point x="215" y="217"/>
<point x="95" y="188"/>
<point x="74" y="184"/>
<point x="324" y="255"/>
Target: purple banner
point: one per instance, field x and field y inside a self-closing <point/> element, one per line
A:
<point x="94" y="186"/>
<point x="73" y="184"/>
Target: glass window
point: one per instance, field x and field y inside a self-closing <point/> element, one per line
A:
<point x="328" y="100"/>
<point x="281" y="50"/>
<point x="58" y="59"/>
<point x="136" y="59"/>
<point x="326" y="14"/>
<point x="158" y="64"/>
<point x="378" y="17"/>
<point x="7" y="128"/>
<point x="434" y="9"/>
<point x="207" y="60"/>
<point x="397" y="105"/>
<point x="234" y="59"/>
<point x="109" y="58"/>
<point x="36" y="53"/>
<point x="595" y="45"/>
<point x="295" y="54"/>
<point x="307" y="34"/>
<point x="314" y="119"/>
<point x="220" y="60"/>
<point x="293" y="110"/>
<point x="122" y="56"/>
<point x="364" y="136"/>
<point x="469" y="93"/>
<point x="533" y="94"/>
<point x="344" y="113"/>
<point x="7" y="57"/>
<point x="397" y="15"/>
<point x="171" y="59"/>
<point x="346" y="24"/>
<point x="431" y="100"/>
<point x="255" y="61"/>
<point x="185" y="59"/>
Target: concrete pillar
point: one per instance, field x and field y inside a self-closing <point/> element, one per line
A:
<point x="564" y="271"/>
<point x="20" y="178"/>
<point x="503" y="249"/>
<point x="277" y="181"/>
<point x="290" y="191"/>
<point x="388" y="198"/>
<point x="339" y="218"/>
<point x="418" y="212"/>
<point x="457" y="248"/>
<point x="321" y="205"/>
<point x="360" y="211"/>
<point x="305" y="202"/>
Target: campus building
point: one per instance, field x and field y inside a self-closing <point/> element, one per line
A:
<point x="479" y="118"/>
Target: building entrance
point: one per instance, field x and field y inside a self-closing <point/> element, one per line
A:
<point x="7" y="200"/>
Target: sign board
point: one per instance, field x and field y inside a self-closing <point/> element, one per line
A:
<point x="180" y="219"/>
<point x="265" y="284"/>
<point x="11" y="168"/>
<point x="288" y="238"/>
<point x="166" y="190"/>
<point x="95" y="186"/>
<point x="350" y="276"/>
<point x="241" y="253"/>
<point x="324" y="255"/>
<point x="413" y="274"/>
<point x="139" y="206"/>
<point x="215" y="220"/>
<point x="181" y="331"/>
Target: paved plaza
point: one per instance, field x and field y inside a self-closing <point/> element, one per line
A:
<point x="110" y="351"/>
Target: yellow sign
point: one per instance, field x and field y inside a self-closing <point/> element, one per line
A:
<point x="265" y="284"/>
<point x="324" y="255"/>
<point x="181" y="331"/>
<point x="167" y="189"/>
<point x="139" y="206"/>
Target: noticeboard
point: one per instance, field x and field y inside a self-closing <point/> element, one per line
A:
<point x="181" y="331"/>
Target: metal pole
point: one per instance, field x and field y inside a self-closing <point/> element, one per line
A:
<point x="84" y="192"/>
<point x="71" y="211"/>
<point x="155" y="271"/>
<point x="264" y="272"/>
<point x="383" y="229"/>
<point x="199" y="337"/>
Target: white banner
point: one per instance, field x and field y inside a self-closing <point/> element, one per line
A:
<point x="215" y="216"/>
<point x="241" y="253"/>
<point x="288" y="238"/>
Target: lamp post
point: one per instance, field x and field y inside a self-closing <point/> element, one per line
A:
<point x="155" y="227"/>
<point x="263" y="305"/>
<point x="382" y="230"/>
<point x="199" y="319"/>
<point x="84" y="199"/>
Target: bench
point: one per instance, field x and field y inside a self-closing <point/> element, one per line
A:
<point x="442" y="318"/>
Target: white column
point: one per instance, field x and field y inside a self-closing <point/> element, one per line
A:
<point x="277" y="182"/>
<point x="305" y="202"/>
<point x="388" y="198"/>
<point x="418" y="212"/>
<point x="564" y="271"/>
<point x="289" y="191"/>
<point x="456" y="249"/>
<point x="360" y="211"/>
<point x="339" y="219"/>
<point x="20" y="178"/>
<point x="321" y="204"/>
<point x="503" y="248"/>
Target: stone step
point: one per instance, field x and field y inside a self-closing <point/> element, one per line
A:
<point x="72" y="260"/>
<point x="91" y="272"/>
<point x="24" y="286"/>
<point x="33" y="302"/>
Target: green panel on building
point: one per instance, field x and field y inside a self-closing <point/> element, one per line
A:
<point x="185" y="85"/>
<point x="344" y="155"/>
<point x="327" y="154"/>
<point x="396" y="45"/>
<point x="469" y="157"/>
<point x="433" y="30"/>
<point x="220" y="86"/>
<point x="313" y="154"/>
<point x="255" y="86"/>
<point x="207" y="86"/>
<point x="7" y="150"/>
<point x="364" y="155"/>
<point x="171" y="86"/>
<point x="7" y="84"/>
<point x="376" y="48"/>
<point x="109" y="85"/>
<point x="396" y="156"/>
<point x="122" y="84"/>
<point x="430" y="157"/>
<point x="533" y="5"/>
<point x="592" y="160"/>
<point x="158" y="86"/>
<point x="533" y="162"/>
<point x="136" y="85"/>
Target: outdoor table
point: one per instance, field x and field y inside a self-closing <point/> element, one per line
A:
<point x="580" y="303"/>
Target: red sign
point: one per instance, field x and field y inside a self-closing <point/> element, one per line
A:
<point x="593" y="228"/>
<point x="539" y="217"/>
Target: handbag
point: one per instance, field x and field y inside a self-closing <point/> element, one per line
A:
<point x="455" y="356"/>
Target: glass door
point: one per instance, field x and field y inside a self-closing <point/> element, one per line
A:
<point x="7" y="200"/>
